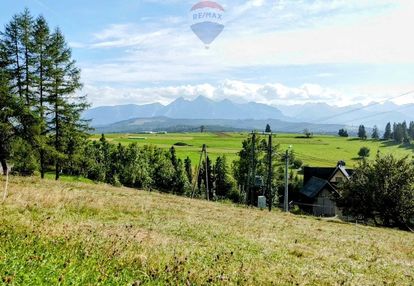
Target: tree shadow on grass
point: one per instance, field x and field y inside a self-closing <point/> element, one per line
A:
<point x="304" y="137"/>
<point x="385" y="144"/>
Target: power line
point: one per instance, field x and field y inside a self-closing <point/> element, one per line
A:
<point x="381" y="113"/>
<point x="322" y="119"/>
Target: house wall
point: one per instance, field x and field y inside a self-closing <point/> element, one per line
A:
<point x="324" y="205"/>
<point x="338" y="177"/>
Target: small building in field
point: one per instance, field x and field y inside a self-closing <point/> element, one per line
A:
<point x="320" y="189"/>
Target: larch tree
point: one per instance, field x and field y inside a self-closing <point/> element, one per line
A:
<point x="41" y="79"/>
<point x="40" y="106"/>
<point x="25" y="25"/>
<point x="7" y="113"/>
<point x="17" y="64"/>
<point x="64" y="111"/>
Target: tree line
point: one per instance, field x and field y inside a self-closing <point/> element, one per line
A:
<point x="153" y="168"/>
<point x="399" y="132"/>
<point x="40" y="111"/>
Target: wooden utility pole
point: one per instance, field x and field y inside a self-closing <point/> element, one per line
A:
<point x="252" y="171"/>
<point x="198" y="167"/>
<point x="206" y="166"/>
<point x="203" y="152"/>
<point x="270" y="173"/>
<point x="286" y="196"/>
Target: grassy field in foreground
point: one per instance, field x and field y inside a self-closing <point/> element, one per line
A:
<point x="72" y="233"/>
<point x="321" y="150"/>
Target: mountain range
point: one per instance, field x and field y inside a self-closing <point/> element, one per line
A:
<point x="372" y="114"/>
<point x="227" y="111"/>
<point x="200" y="108"/>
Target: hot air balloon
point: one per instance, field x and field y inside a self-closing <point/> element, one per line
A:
<point x="207" y="21"/>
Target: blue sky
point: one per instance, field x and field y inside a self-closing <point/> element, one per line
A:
<point x="275" y="52"/>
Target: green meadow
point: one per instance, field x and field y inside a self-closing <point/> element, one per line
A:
<point x="71" y="233"/>
<point x="321" y="150"/>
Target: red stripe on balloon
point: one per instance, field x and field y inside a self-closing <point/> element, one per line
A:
<point x="207" y="4"/>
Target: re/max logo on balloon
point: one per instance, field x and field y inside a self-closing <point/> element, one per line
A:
<point x="207" y="16"/>
<point x="207" y="21"/>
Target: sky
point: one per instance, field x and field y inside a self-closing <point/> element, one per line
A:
<point x="278" y="52"/>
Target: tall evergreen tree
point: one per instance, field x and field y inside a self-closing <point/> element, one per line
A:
<point x="395" y="132"/>
<point x="246" y="162"/>
<point x="399" y="133"/>
<point x="17" y="46"/>
<point x="188" y="169"/>
<point x="411" y="130"/>
<point x="8" y="108"/>
<point x="375" y="133"/>
<point x="405" y="135"/>
<point x="362" y="133"/>
<point x="388" y="132"/>
<point x="64" y="113"/>
<point x="12" y="51"/>
<point x="243" y="165"/>
<point x="16" y="65"/>
<point x="174" y="159"/>
<point x="223" y="185"/>
<point x="26" y="33"/>
<point x="41" y="79"/>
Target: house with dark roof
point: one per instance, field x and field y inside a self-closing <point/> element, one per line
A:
<point x="320" y="189"/>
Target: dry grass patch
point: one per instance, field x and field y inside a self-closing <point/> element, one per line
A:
<point x="74" y="233"/>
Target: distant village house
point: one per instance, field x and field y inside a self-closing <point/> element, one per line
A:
<point x="320" y="189"/>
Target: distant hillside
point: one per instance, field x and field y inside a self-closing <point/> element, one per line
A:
<point x="216" y="125"/>
<point x="204" y="108"/>
<point x="110" y="114"/>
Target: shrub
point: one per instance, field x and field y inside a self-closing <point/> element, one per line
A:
<point x="364" y="152"/>
<point x="24" y="160"/>
<point x="297" y="163"/>
<point x="381" y="191"/>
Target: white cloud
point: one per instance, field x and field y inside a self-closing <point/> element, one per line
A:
<point x="156" y="52"/>
<point x="259" y="34"/>
<point x="238" y="91"/>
